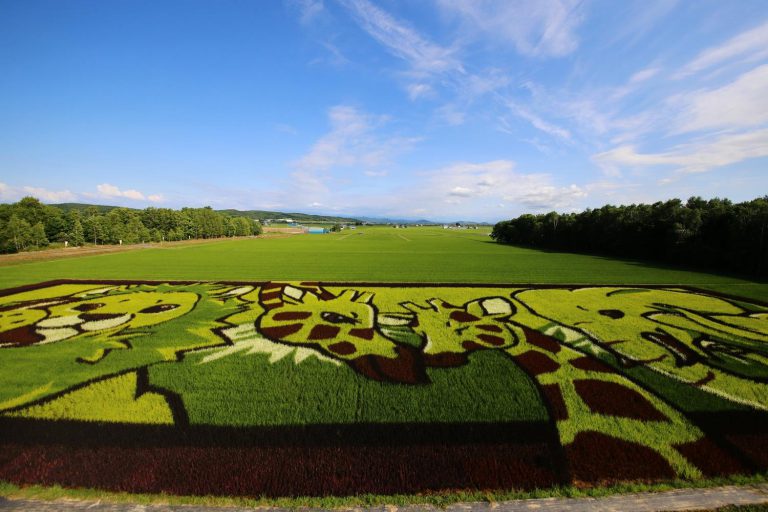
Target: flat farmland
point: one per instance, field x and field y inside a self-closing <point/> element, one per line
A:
<point x="376" y="361"/>
<point x="430" y="255"/>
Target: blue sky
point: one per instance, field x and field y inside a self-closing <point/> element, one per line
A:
<point x="439" y="109"/>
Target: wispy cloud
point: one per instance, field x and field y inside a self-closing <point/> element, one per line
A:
<point x="308" y="9"/>
<point x="353" y="140"/>
<point x="417" y="90"/>
<point x="537" y="122"/>
<point x="699" y="156"/>
<point x="638" y="18"/>
<point x="451" y="115"/>
<point x="332" y="56"/>
<point x="286" y="128"/>
<point x="401" y="40"/>
<point x="749" y="46"/>
<point x="545" y="28"/>
<point x="542" y="28"/>
<point x="593" y="113"/>
<point x="644" y="74"/>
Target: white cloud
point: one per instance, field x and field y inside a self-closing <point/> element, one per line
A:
<point x="308" y="181"/>
<point x="286" y="128"/>
<point x="401" y="40"/>
<point x="416" y="91"/>
<point x="742" y="103"/>
<point x="333" y="56"/>
<point x="644" y="74"/>
<point x="474" y="185"/>
<point x="111" y="191"/>
<point x="749" y="46"/>
<point x="491" y="80"/>
<point x="693" y="157"/>
<point x="12" y="193"/>
<point x="544" y="28"/>
<point x="460" y="192"/>
<point x="133" y="194"/>
<point x="451" y="115"/>
<point x="50" y="196"/>
<point x="5" y="191"/>
<point x="550" y="197"/>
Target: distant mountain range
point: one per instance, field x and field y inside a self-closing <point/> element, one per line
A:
<point x="262" y="215"/>
<point x="387" y="220"/>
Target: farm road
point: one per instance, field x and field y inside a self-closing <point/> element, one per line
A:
<point x="681" y="499"/>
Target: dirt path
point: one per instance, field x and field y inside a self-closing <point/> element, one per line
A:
<point x="681" y="499"/>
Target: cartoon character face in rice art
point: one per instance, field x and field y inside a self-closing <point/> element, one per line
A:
<point x="57" y="320"/>
<point x="50" y="342"/>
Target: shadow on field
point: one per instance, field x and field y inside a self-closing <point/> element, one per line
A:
<point x="312" y="460"/>
<point x="646" y="264"/>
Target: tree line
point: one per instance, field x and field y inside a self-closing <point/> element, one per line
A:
<point x="714" y="234"/>
<point x="30" y="224"/>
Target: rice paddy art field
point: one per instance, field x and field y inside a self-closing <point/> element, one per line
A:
<point x="160" y="382"/>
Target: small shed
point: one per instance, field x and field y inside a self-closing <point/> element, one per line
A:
<point x="317" y="231"/>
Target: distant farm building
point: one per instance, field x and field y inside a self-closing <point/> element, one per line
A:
<point x="317" y="231"/>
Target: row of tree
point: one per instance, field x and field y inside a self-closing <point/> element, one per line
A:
<point x="29" y="224"/>
<point x="715" y="234"/>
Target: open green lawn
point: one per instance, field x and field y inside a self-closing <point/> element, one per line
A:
<point x="371" y="254"/>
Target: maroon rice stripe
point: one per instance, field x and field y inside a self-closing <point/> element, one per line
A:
<point x="276" y="471"/>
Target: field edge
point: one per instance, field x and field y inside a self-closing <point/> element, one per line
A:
<point x="442" y="499"/>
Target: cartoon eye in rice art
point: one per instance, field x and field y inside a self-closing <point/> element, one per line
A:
<point x="450" y="332"/>
<point x="708" y="341"/>
<point x="58" y="320"/>
<point x="17" y="326"/>
<point x="341" y="326"/>
<point x="734" y="342"/>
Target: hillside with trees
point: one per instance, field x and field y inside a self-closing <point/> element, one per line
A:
<point x="262" y="215"/>
<point x="715" y="234"/>
<point x="257" y="215"/>
<point x="30" y="224"/>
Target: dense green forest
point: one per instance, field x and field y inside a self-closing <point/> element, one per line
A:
<point x="29" y="224"/>
<point x="715" y="234"/>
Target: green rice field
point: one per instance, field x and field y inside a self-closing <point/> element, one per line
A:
<point x="376" y="361"/>
<point x="383" y="254"/>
